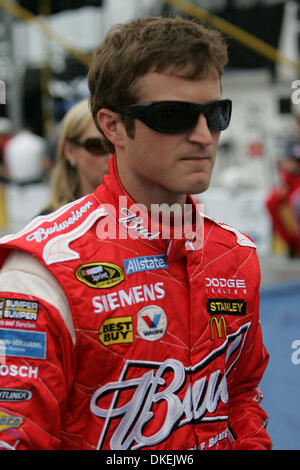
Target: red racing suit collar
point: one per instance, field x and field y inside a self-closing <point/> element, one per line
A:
<point x="173" y="230"/>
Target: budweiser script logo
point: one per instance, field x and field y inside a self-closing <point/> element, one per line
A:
<point x="141" y="394"/>
<point x="42" y="233"/>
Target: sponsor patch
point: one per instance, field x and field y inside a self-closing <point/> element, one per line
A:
<point x="13" y="394"/>
<point x="145" y="263"/>
<point x="43" y="233"/>
<point x="18" y="309"/>
<point x="135" y="223"/>
<point x="100" y="275"/>
<point x="222" y="282"/>
<point x="218" y="327"/>
<point x="132" y="296"/>
<point x="169" y="393"/>
<point x="8" y="421"/>
<point x="216" y="285"/>
<point x="226" y="306"/>
<point x="151" y="323"/>
<point x="19" y="343"/>
<point x="118" y="330"/>
<point x="24" y="372"/>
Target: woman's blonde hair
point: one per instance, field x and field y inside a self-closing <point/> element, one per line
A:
<point x="64" y="178"/>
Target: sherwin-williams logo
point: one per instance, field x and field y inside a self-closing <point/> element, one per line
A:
<point x="100" y="275"/>
<point x="9" y="422"/>
<point x="19" y="343"/>
<point x="118" y="330"/>
<point x="151" y="323"/>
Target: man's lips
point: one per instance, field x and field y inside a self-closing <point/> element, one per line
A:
<point x="197" y="158"/>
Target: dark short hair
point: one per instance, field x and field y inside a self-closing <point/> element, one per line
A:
<point x="156" y="44"/>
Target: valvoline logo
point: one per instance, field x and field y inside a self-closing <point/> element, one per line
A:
<point x="151" y="323"/>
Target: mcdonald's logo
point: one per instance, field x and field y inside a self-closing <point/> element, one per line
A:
<point x="220" y="327"/>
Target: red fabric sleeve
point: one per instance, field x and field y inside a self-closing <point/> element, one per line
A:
<point x="37" y="366"/>
<point x="247" y="420"/>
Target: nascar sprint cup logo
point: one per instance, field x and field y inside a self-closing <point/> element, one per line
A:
<point x="100" y="275"/>
<point x="126" y="405"/>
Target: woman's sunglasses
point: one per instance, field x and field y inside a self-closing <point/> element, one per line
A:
<point x="179" y="116"/>
<point x="93" y="145"/>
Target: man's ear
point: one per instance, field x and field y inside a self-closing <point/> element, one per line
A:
<point x="112" y="126"/>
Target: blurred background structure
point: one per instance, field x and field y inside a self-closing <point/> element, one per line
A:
<point x="45" y="49"/>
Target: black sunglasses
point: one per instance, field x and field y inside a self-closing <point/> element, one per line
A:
<point x="93" y="145"/>
<point x="179" y="116"/>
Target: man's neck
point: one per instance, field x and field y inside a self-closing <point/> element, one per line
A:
<point x="150" y="195"/>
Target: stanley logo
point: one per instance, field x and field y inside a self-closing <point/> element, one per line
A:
<point x="100" y="275"/>
<point x="218" y="326"/>
<point x="226" y="306"/>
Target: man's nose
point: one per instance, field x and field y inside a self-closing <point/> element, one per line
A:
<point x="201" y="134"/>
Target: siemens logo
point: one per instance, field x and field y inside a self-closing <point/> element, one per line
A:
<point x="145" y="263"/>
<point x="133" y="296"/>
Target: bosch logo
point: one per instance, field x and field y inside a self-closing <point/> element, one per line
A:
<point x="222" y="282"/>
<point x="19" y="371"/>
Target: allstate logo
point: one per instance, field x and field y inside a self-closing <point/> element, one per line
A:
<point x="151" y="323"/>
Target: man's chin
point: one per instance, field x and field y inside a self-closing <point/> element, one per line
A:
<point x="198" y="187"/>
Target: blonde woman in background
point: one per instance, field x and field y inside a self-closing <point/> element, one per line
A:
<point x="81" y="161"/>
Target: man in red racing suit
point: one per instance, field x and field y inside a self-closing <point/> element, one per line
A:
<point x="163" y="349"/>
<point x="124" y="326"/>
